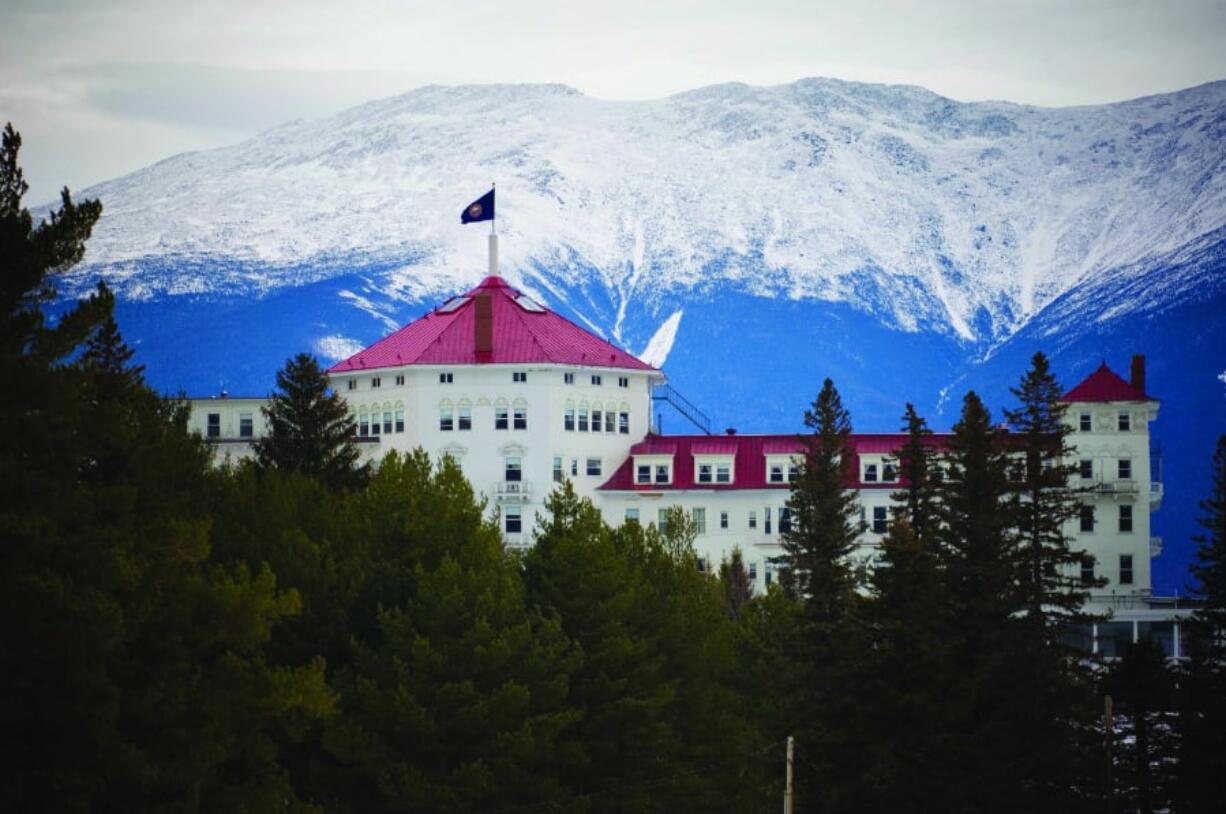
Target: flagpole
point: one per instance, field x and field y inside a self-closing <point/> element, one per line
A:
<point x="494" y="240"/>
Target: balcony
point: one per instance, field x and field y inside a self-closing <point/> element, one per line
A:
<point x="1114" y="487"/>
<point x="511" y="491"/>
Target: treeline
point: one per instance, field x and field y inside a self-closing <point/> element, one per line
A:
<point x="300" y="633"/>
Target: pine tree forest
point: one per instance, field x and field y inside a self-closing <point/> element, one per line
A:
<point x="299" y="633"/>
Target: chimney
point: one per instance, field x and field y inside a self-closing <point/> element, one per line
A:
<point x="730" y="431"/>
<point x="1137" y="380"/>
<point x="483" y="325"/>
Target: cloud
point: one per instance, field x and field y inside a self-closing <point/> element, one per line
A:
<point x="336" y="347"/>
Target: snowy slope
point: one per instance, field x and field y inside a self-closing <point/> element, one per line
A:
<point x="927" y="213"/>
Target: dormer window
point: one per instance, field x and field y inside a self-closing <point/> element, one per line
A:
<point x="643" y="474"/>
<point x="723" y="473"/>
<point x="870" y="473"/>
<point x="776" y="473"/>
<point x="793" y="473"/>
<point x="889" y="473"/>
<point x="662" y="474"/>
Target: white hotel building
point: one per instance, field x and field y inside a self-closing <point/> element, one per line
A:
<point x="521" y="398"/>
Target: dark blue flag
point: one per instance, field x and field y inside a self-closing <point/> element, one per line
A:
<point x="479" y="210"/>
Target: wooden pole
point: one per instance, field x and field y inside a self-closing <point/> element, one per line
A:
<point x="787" y="795"/>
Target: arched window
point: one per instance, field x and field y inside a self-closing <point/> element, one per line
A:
<point x="597" y="417"/>
<point x="446" y="416"/>
<point x="399" y="412"/>
<point x="623" y="419"/>
<point x="582" y="423"/>
<point x="519" y="415"/>
<point x="363" y="423"/>
<point x="502" y="415"/>
<point x="568" y="416"/>
<point x="464" y="415"/>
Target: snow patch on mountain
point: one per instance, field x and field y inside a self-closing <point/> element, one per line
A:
<point x="661" y="343"/>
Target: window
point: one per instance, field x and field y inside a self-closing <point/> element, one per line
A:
<point x="1087" y="518"/>
<point x="785" y="520"/>
<point x="643" y="474"/>
<point x="568" y="378"/>
<point x="632" y="515"/>
<point x="623" y="381"/>
<point x="557" y="469"/>
<point x="513" y="469"/>
<point x="444" y="419"/>
<point x="1125" y="569"/>
<point x="1126" y="517"/>
<point x="1125" y="423"/>
<point x="753" y="572"/>
<point x="1083" y="422"/>
<point x="608" y="421"/>
<point x="214" y="425"/>
<point x="662" y="520"/>
<point x="466" y="418"/>
<point x="376" y="381"/>
<point x="353" y="384"/>
<point x="723" y="473"/>
<point x="596" y="380"/>
<point x="574" y="467"/>
<point x="514" y="520"/>
<point x="1125" y="469"/>
<point x="870" y="473"/>
<point x="699" y="516"/>
<point x="889" y="473"/>
<point x="723" y="520"/>
<point x="520" y="416"/>
<point x="776" y="473"/>
<point x="662" y="473"/>
<point x="519" y="376"/>
<point x="1087" y="570"/>
<point x="704" y="473"/>
<point x="770" y="575"/>
<point x="568" y="419"/>
<point x="793" y="473"/>
<point x="593" y="467"/>
<point x="445" y="378"/>
<point x="623" y="423"/>
<point x="363" y="425"/>
<point x="374" y="423"/>
<point x="879" y="519"/>
<point x="596" y="420"/>
<point x="399" y="379"/>
<point x="753" y="519"/>
<point x="1086" y="468"/>
<point x="387" y="422"/>
<point x="766" y="520"/>
<point x="500" y="418"/>
<point x="246" y="425"/>
<point x="582" y="419"/>
<point x="702" y="565"/>
<point x="400" y="420"/>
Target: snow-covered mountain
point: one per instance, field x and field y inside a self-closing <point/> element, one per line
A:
<point x="750" y="239"/>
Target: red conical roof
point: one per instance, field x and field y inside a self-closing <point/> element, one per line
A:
<point x="1104" y="385"/>
<point x="523" y="332"/>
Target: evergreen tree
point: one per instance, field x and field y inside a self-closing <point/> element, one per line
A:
<point x="979" y="558"/>
<point x="135" y="676"/>
<point x="1201" y="784"/>
<point x="1045" y="503"/>
<point x="310" y="430"/>
<point x="1059" y="710"/>
<point x="818" y="571"/>
<point x="1142" y="686"/>
<point x="454" y="696"/>
<point x="735" y="583"/>
<point x="904" y="693"/>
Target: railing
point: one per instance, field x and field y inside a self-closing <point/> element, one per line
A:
<point x="513" y="489"/>
<point x="681" y="404"/>
<point x="1111" y="487"/>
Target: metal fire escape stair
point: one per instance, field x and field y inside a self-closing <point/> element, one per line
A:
<point x="668" y="394"/>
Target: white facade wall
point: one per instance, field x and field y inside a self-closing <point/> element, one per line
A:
<point x="222" y="421"/>
<point x="543" y="392"/>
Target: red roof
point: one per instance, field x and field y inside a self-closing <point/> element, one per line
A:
<point x="1104" y="385"/>
<point x="749" y="459"/>
<point x="522" y="332"/>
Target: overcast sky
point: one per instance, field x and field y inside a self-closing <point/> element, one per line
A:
<point x="99" y="88"/>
